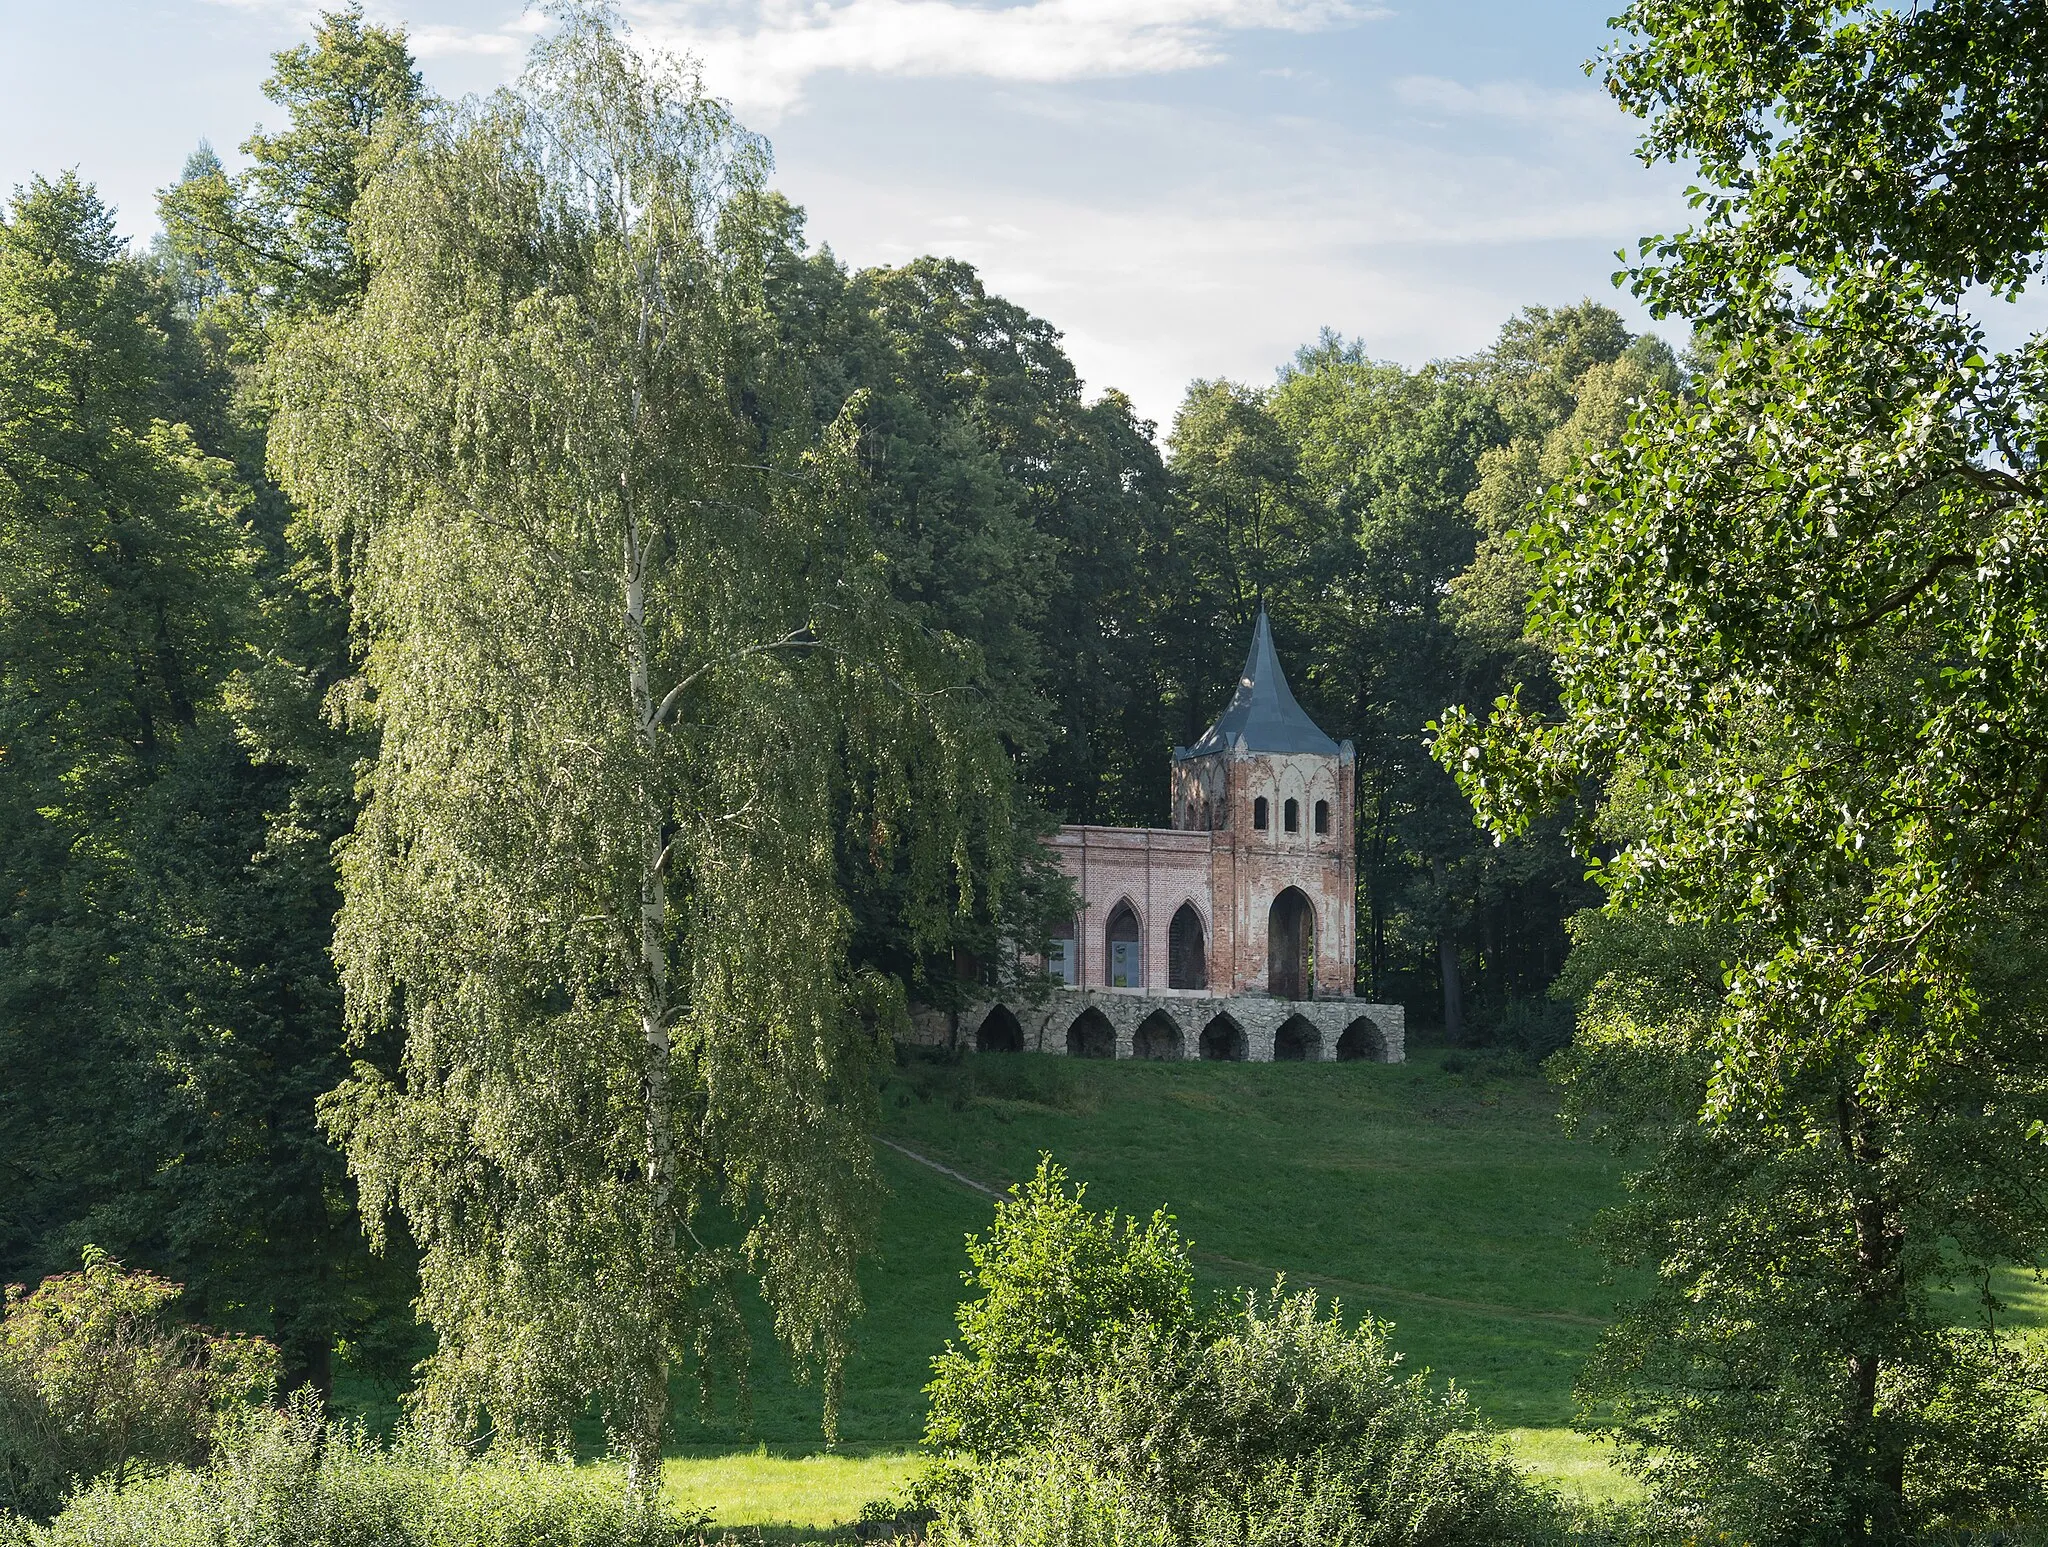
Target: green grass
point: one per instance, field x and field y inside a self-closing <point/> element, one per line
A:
<point x="1451" y="1205"/>
<point x="804" y="1493"/>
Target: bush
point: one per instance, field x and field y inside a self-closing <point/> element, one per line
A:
<point x="97" y="1378"/>
<point x="1058" y="1284"/>
<point x="1095" y="1408"/>
<point x="1284" y="1425"/>
<point x="289" y="1479"/>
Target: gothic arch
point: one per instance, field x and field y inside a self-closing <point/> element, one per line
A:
<point x="1297" y="1041"/>
<point x="999" y="1032"/>
<point x="1125" y="927"/>
<point x="1224" y="1041"/>
<point x="1187" y="948"/>
<point x="1362" y="1041"/>
<point x="1291" y="946"/>
<point x="1091" y="1035"/>
<point x="1158" y="1038"/>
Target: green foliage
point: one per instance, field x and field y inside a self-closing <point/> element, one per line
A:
<point x="1372" y="508"/>
<point x="1059" y="1283"/>
<point x="97" y="1379"/>
<point x="1795" y="624"/>
<point x="277" y="240"/>
<point x="167" y="1009"/>
<point x="286" y="1479"/>
<point x="635" y="673"/>
<point x="1280" y="1425"/>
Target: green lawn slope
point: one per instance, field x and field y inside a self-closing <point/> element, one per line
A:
<point x="1441" y="1194"/>
<point x="1450" y="1203"/>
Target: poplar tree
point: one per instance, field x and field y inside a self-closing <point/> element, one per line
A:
<point x="636" y="677"/>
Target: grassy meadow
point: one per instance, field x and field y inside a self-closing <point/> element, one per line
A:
<point x="1446" y="1200"/>
<point x="1449" y="1203"/>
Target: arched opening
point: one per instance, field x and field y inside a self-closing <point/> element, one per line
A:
<point x="1290" y="816"/>
<point x="999" y="1032"/>
<point x="1361" y="1043"/>
<point x="1297" y="1041"/>
<point x="1126" y="949"/>
<point x="1062" y="961"/>
<point x="1091" y="1036"/>
<point x="1322" y="819"/>
<point x="1259" y="813"/>
<point x="1291" y="946"/>
<point x="1223" y="1041"/>
<point x="1187" y="952"/>
<point x="1157" y="1038"/>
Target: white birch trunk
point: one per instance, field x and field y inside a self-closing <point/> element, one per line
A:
<point x="643" y="1448"/>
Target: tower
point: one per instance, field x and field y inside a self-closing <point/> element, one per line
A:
<point x="1276" y="795"/>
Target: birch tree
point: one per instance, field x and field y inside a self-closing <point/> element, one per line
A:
<point x="636" y="677"/>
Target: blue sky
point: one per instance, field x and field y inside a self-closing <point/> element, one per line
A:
<point x="1187" y="188"/>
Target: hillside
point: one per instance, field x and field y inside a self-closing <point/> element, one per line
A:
<point x="1447" y="1202"/>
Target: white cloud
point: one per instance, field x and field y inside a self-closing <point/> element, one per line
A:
<point x="1514" y="101"/>
<point x="1422" y="249"/>
<point x="760" y="53"/>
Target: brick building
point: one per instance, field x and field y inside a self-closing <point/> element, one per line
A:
<point x="1232" y="933"/>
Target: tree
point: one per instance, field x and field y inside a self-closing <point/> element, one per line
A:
<point x="124" y="576"/>
<point x="633" y="668"/>
<point x="96" y="1378"/>
<point x="277" y="240"/>
<point x="1795" y="622"/>
<point x="1060" y="1285"/>
<point x="1352" y="496"/>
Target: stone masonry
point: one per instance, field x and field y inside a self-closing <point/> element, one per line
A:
<point x="1174" y="1025"/>
<point x="1231" y="934"/>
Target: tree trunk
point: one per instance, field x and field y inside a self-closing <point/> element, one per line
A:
<point x="1447" y="963"/>
<point x="1878" y="1283"/>
<point x="650" y="1416"/>
<point x="1454" y="998"/>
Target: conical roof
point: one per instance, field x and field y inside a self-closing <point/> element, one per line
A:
<point x="1263" y="713"/>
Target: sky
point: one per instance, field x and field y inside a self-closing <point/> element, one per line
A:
<point x="1185" y="188"/>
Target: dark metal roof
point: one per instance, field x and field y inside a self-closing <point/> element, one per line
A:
<point x="1264" y="714"/>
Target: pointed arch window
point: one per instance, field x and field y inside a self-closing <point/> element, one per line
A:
<point x="1125" y="956"/>
<point x="1259" y="819"/>
<point x="1322" y="819"/>
<point x="1187" y="952"/>
<point x="1290" y="816"/>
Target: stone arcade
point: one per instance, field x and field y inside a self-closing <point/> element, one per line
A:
<point x="1231" y="934"/>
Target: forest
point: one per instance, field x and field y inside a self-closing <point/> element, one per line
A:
<point x="517" y="666"/>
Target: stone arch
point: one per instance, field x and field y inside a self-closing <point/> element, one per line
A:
<point x="1297" y="1041"/>
<point x="1362" y="1041"/>
<point x="1224" y="1041"/>
<point x="1159" y="1038"/>
<point x="999" y="1032"/>
<point x="1123" y="947"/>
<point x="1187" y="949"/>
<point x="1291" y="946"/>
<point x="1091" y="1035"/>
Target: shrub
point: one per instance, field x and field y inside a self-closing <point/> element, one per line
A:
<point x="1131" y="1421"/>
<point x="1285" y="1425"/>
<point x="289" y="1479"/>
<point x="96" y="1377"/>
<point x="1058" y="1283"/>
